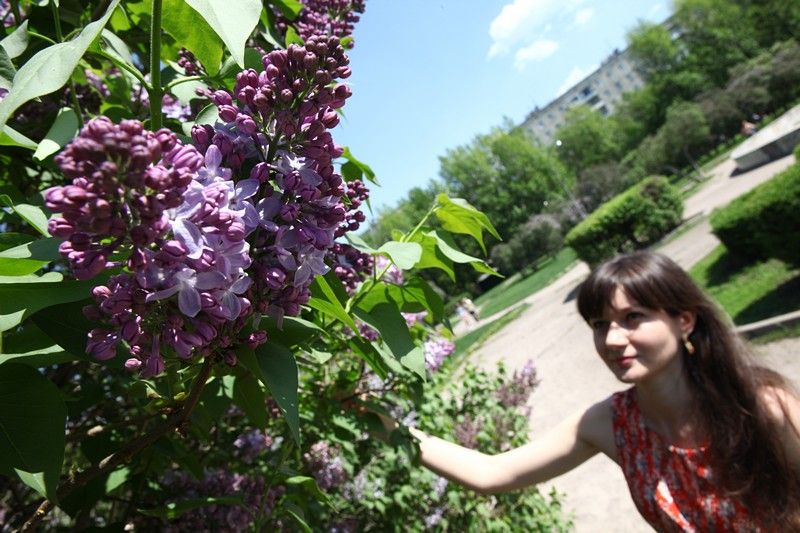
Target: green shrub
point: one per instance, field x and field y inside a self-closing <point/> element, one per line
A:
<point x="632" y="220"/>
<point x="765" y="222"/>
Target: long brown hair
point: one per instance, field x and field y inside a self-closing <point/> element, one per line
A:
<point x="746" y="450"/>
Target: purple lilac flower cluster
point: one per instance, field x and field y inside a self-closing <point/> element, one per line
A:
<point x="350" y="265"/>
<point x="280" y="117"/>
<point x="437" y="349"/>
<point x="180" y="219"/>
<point x="393" y="274"/>
<point x="517" y="390"/>
<point x="189" y="63"/>
<point x="325" y="17"/>
<point x="250" y="444"/>
<point x="7" y="19"/>
<point x="357" y="194"/>
<point x="326" y="464"/>
<point x="256" y="501"/>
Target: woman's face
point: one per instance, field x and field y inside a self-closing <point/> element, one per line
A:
<point x="637" y="343"/>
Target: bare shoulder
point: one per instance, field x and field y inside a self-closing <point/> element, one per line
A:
<point x="783" y="406"/>
<point x="596" y="427"/>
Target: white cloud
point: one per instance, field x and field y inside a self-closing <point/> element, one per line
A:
<point x="517" y="20"/>
<point x="576" y="75"/>
<point x="655" y="11"/>
<point x="535" y="51"/>
<point x="583" y="16"/>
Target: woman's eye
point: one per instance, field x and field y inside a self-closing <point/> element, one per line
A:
<point x="634" y="316"/>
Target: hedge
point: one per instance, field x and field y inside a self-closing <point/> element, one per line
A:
<point x="631" y="220"/>
<point x="765" y="222"/>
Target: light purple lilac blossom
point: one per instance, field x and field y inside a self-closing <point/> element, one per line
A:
<point x="437" y="349"/>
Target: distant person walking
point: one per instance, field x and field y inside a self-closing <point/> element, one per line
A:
<point x="748" y="128"/>
<point x="470" y="308"/>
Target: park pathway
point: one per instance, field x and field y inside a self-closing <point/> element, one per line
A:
<point x="552" y="333"/>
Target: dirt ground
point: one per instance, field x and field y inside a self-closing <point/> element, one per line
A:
<point x="572" y="377"/>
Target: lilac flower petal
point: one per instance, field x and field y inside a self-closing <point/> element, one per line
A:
<point x="210" y="280"/>
<point x="302" y="274"/>
<point x="246" y="188"/>
<point x="189" y="301"/>
<point x="213" y="157"/>
<point x="232" y="305"/>
<point x="241" y="285"/>
<point x="160" y="295"/>
<point x="190" y="236"/>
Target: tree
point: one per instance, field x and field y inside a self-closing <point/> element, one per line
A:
<point x="505" y="175"/>
<point x="587" y="138"/>
<point x="653" y="49"/>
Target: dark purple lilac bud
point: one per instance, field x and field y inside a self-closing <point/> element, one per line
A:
<point x="222" y="98"/>
<point x="228" y="113"/>
<point x="256" y="339"/>
<point x="260" y="172"/>
<point x="246" y="124"/>
<point x="102" y="344"/>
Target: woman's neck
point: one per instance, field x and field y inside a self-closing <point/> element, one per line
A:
<point x="668" y="409"/>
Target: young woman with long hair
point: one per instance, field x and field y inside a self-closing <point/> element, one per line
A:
<point x="708" y="440"/>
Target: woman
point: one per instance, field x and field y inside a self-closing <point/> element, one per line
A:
<point x="707" y="440"/>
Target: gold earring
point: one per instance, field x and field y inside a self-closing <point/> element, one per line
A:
<point x="688" y="344"/>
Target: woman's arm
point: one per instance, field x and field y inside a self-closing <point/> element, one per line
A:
<point x="569" y="444"/>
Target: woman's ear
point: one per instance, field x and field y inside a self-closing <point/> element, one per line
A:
<point x="687" y="320"/>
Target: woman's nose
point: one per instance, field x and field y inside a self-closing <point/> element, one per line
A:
<point x="616" y="336"/>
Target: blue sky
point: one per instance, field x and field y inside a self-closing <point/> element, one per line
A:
<point x="430" y="75"/>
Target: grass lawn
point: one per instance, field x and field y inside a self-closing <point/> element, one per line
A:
<point x="476" y="337"/>
<point x="749" y="291"/>
<point x="517" y="287"/>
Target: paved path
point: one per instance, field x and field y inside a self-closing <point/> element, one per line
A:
<point x="572" y="376"/>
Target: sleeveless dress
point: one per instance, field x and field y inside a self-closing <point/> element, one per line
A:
<point x="672" y="487"/>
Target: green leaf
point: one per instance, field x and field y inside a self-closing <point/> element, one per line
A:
<point x="351" y="172"/>
<point x="325" y="300"/>
<point x="51" y="68"/>
<point x="12" y="240"/>
<point x="63" y="130"/>
<point x="288" y="8"/>
<point x="117" y="47"/>
<point x="320" y="357"/>
<point x="31" y="346"/>
<point x="16" y="43"/>
<point x="49" y="277"/>
<point x="297" y="515"/>
<point x="208" y="115"/>
<point x="117" y="478"/>
<point x="385" y="317"/>
<point x="310" y="485"/>
<point x="292" y="37"/>
<point x="363" y="167"/>
<point x="249" y="395"/>
<point x="293" y="330"/>
<point x="11" y="137"/>
<point x="458" y="216"/>
<point x="233" y="24"/>
<point x="7" y="70"/>
<point x="432" y="256"/>
<point x="45" y="250"/>
<point x="67" y="326"/>
<point x="32" y="214"/>
<point x="32" y="418"/>
<point x="176" y="509"/>
<point x="20" y="300"/>
<point x="189" y="28"/>
<point x="404" y="254"/>
<point x="359" y="244"/>
<point x="412" y="297"/>
<point x="445" y="243"/>
<point x="279" y="374"/>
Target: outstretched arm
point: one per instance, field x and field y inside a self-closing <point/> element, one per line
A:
<point x="569" y="444"/>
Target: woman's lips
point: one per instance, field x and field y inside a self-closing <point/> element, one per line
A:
<point x="624" y="362"/>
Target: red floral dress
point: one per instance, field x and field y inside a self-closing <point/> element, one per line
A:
<point x="672" y="487"/>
